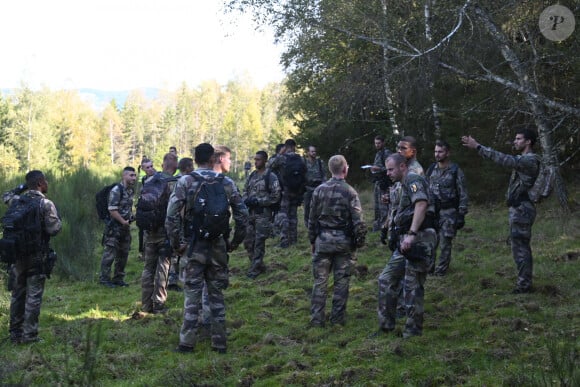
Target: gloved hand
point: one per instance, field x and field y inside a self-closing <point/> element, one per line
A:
<point x="459" y="221"/>
<point x="251" y="202"/>
<point x="384" y="235"/>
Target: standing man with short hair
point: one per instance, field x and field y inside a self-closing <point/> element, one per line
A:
<point x="147" y="168"/>
<point x="335" y="229"/>
<point x="290" y="165"/>
<point x="316" y="174"/>
<point x="117" y="235"/>
<point x="522" y="211"/>
<point x="206" y="260"/>
<point x="413" y="240"/>
<point x="157" y="255"/>
<point x="28" y="271"/>
<point x="448" y="189"/>
<point x="261" y="191"/>
<point x="381" y="183"/>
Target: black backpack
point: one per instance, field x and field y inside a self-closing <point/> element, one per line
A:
<point x="294" y="174"/>
<point x="152" y="203"/>
<point x="22" y="229"/>
<point x="207" y="211"/>
<point x="102" y="201"/>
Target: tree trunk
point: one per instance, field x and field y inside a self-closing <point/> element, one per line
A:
<point x="386" y="83"/>
<point x="550" y="153"/>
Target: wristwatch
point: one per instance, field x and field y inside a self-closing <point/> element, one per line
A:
<point x="413" y="233"/>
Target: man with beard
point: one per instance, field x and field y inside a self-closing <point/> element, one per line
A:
<point x="448" y="190"/>
<point x="522" y="212"/>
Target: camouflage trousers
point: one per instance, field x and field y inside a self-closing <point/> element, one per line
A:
<point x="413" y="274"/>
<point x="25" y="303"/>
<point x="307" y="198"/>
<point x="521" y="220"/>
<point x="173" y="276"/>
<point x="381" y="209"/>
<point x="116" y="246"/>
<point x="154" y="279"/>
<point x="447" y="220"/>
<point x="322" y="264"/>
<point x="207" y="266"/>
<point x="258" y="230"/>
<point x="288" y="217"/>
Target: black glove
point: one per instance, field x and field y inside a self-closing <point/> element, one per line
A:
<point x="251" y="202"/>
<point x="384" y="235"/>
<point x="459" y="221"/>
<point x="359" y="241"/>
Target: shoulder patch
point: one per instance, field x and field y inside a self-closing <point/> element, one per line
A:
<point x="414" y="187"/>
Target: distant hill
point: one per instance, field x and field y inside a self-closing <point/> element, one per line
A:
<point x="100" y="98"/>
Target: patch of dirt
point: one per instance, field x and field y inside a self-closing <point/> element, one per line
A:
<point x="361" y="271"/>
<point x="549" y="290"/>
<point x="568" y="256"/>
<point x="500" y="353"/>
<point x="278" y="266"/>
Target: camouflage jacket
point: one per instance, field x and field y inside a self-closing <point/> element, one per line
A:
<point x="335" y="216"/>
<point x="414" y="188"/>
<point x="525" y="169"/>
<point x="121" y="201"/>
<point x="178" y="200"/>
<point x="448" y="187"/>
<point x="255" y="187"/>
<point x="380" y="158"/>
<point x="316" y="172"/>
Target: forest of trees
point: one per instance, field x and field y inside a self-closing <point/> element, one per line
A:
<point x="355" y="68"/>
<point x="428" y="68"/>
<point x="57" y="130"/>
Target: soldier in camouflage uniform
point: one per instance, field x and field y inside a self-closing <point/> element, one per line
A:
<point x="413" y="241"/>
<point x="157" y="254"/>
<point x="316" y="173"/>
<point x="522" y="211"/>
<point x="381" y="183"/>
<point x="28" y="272"/>
<point x="184" y="166"/>
<point x="335" y="230"/>
<point x="448" y="190"/>
<point x="207" y="260"/>
<point x="276" y="225"/>
<point x="288" y="214"/>
<point x="117" y="235"/>
<point x="261" y="191"/>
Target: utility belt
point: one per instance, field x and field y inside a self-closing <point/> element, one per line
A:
<point x="445" y="205"/>
<point x="259" y="210"/>
<point x="430" y="221"/>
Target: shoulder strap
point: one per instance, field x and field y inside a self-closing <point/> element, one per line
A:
<point x="429" y="171"/>
<point x="320" y="168"/>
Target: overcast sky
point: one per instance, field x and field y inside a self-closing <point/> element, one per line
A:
<point x="127" y="44"/>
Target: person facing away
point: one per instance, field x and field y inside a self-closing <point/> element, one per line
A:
<point x="184" y="166"/>
<point x="204" y="260"/>
<point x="261" y="191"/>
<point x="522" y="211"/>
<point x="291" y="199"/>
<point x="335" y="229"/>
<point x="316" y="173"/>
<point x="146" y="167"/>
<point x="157" y="257"/>
<point x="448" y="190"/>
<point x="28" y="272"/>
<point x="117" y="234"/>
<point x="413" y="240"/>
<point x="380" y="185"/>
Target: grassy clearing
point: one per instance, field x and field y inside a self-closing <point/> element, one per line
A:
<point x="476" y="332"/>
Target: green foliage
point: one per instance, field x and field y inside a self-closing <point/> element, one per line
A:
<point x="476" y="332"/>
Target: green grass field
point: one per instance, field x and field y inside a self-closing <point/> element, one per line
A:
<point x="476" y="332"/>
